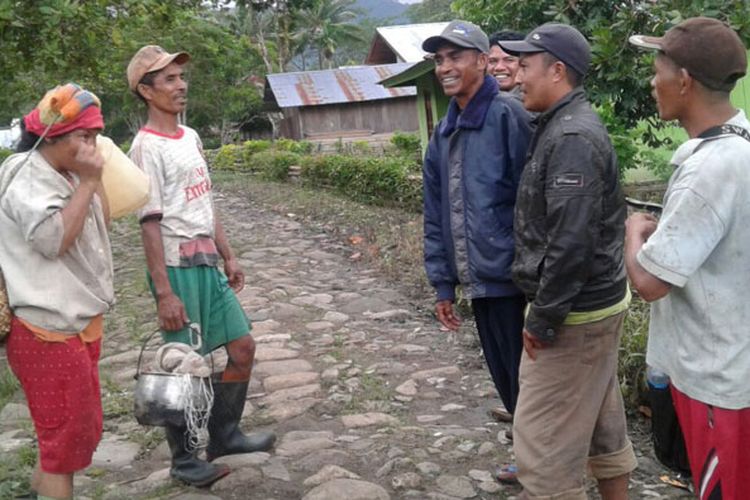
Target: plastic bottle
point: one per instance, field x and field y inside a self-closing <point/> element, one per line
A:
<point x="656" y="379"/>
<point x="126" y="185"/>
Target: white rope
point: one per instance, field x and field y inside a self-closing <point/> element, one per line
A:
<point x="197" y="398"/>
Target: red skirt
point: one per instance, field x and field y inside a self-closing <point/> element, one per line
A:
<point x="61" y="384"/>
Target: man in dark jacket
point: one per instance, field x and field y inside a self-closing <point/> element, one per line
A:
<point x="569" y="225"/>
<point x="471" y="173"/>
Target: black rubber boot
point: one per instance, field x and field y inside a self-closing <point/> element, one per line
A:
<point x="225" y="436"/>
<point x="186" y="467"/>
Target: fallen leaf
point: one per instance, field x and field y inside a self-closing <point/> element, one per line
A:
<point x="355" y="256"/>
<point x="674" y="482"/>
<point x="356" y="240"/>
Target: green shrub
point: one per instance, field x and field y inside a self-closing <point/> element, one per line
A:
<point x="252" y="147"/>
<point x="4" y="153"/>
<point x="274" y="165"/>
<point x="406" y="143"/>
<point x="361" y="147"/>
<point x="378" y="180"/>
<point x="228" y="157"/>
<point x="292" y="146"/>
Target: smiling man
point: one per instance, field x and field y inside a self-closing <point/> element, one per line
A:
<point x="183" y="241"/>
<point x="471" y="172"/>
<point x="504" y="66"/>
<point x="569" y="225"/>
<point x="691" y="264"/>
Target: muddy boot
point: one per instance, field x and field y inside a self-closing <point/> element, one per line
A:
<point x="225" y="436"/>
<point x="185" y="466"/>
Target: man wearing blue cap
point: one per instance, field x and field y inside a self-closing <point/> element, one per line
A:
<point x="471" y="173"/>
<point x="569" y="228"/>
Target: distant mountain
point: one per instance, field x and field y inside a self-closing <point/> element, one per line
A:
<point x="387" y="10"/>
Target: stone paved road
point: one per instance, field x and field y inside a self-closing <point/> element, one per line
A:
<point x="370" y="399"/>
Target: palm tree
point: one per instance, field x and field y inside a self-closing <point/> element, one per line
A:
<point x="326" y="25"/>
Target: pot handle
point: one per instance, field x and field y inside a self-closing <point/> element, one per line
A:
<point x="194" y="331"/>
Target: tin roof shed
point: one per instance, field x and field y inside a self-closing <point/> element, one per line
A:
<point x="403" y="43"/>
<point x="333" y="86"/>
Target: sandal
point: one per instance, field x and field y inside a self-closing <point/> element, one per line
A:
<point x="507" y="474"/>
<point x="500" y="414"/>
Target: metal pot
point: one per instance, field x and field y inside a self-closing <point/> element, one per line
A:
<point x="158" y="397"/>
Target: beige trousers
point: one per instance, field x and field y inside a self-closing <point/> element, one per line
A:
<point x="570" y="413"/>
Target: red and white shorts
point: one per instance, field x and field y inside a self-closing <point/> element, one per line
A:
<point x="61" y="384"/>
<point x="717" y="442"/>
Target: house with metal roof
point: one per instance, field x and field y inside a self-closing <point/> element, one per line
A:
<point x="403" y="43"/>
<point x="344" y="102"/>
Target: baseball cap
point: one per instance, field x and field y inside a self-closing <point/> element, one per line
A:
<point x="461" y="33"/>
<point x="151" y="58"/>
<point x="561" y="40"/>
<point x="707" y="48"/>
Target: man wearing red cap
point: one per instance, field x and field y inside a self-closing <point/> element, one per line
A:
<point x="183" y="241"/>
<point x="57" y="266"/>
<point x="691" y="263"/>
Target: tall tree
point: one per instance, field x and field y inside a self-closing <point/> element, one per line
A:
<point x="48" y="42"/>
<point x="619" y="77"/>
<point x="430" y="11"/>
<point x="326" y="25"/>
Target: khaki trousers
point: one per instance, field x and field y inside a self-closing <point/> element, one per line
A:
<point x="570" y="413"/>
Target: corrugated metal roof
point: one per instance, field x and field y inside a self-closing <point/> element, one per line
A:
<point x="346" y="84"/>
<point x="406" y="39"/>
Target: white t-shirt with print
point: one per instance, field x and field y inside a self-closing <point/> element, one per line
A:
<point x="700" y="331"/>
<point x="180" y="194"/>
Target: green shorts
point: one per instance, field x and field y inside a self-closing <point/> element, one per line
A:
<point x="210" y="302"/>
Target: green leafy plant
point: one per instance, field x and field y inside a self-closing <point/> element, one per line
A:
<point x="228" y="157"/>
<point x="274" y="165"/>
<point x="378" y="180"/>
<point x="4" y="153"/>
<point x="292" y="146"/>
<point x="620" y="74"/>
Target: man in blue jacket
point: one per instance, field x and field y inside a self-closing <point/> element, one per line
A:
<point x="471" y="173"/>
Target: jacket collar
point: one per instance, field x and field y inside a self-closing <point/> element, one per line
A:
<point x="574" y="95"/>
<point x="473" y="116"/>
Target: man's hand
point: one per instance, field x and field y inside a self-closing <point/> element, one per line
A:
<point x="444" y="311"/>
<point x="234" y="274"/>
<point x="532" y="344"/>
<point x="640" y="225"/>
<point x="172" y="315"/>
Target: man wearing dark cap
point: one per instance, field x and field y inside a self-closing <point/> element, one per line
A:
<point x="569" y="229"/>
<point x="471" y="173"/>
<point x="692" y="263"/>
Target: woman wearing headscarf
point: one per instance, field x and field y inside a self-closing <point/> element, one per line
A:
<point x="56" y="259"/>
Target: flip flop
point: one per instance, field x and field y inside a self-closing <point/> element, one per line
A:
<point x="500" y="414"/>
<point x="507" y="474"/>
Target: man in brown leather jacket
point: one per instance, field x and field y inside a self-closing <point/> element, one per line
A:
<point x="569" y="227"/>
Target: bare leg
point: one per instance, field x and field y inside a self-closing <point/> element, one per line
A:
<point x="614" y="488"/>
<point x="55" y="485"/>
<point x="36" y="477"/>
<point x="241" y="354"/>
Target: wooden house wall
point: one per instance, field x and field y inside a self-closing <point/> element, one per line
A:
<point x="381" y="116"/>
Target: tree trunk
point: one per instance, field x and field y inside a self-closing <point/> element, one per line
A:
<point x="264" y="49"/>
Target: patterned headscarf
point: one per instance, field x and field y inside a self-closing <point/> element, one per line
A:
<point x="64" y="109"/>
